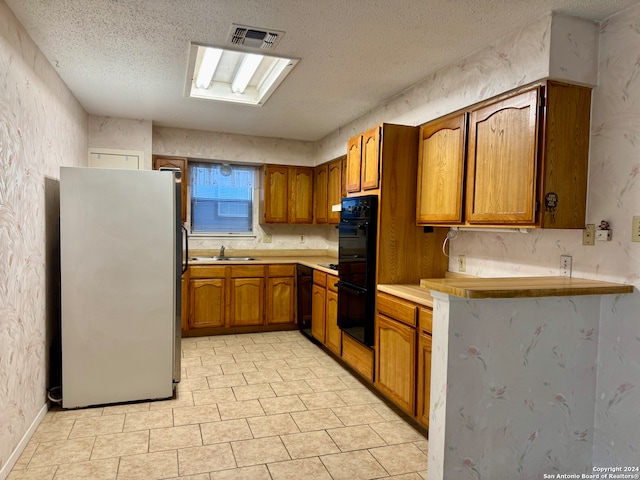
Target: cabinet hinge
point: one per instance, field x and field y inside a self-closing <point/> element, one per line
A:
<point x="542" y="101"/>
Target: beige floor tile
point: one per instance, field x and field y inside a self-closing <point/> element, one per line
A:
<point x="316" y="420"/>
<point x="402" y="458"/>
<point x="311" y="468"/>
<point x="357" y="415"/>
<point x="86" y="427"/>
<point x="327" y="384"/>
<point x="146" y="420"/>
<point x="252" y="392"/>
<point x="191" y="384"/>
<point x="225" y="431"/>
<point x="229" y="350"/>
<point x="423" y="474"/>
<point x="173" y="438"/>
<point x="217" y="359"/>
<point x="53" y="430"/>
<point x="62" y="451"/>
<point x="126" y="408"/>
<point x="327" y="371"/>
<point x="197" y="353"/>
<point x="290" y="403"/>
<point x="423" y="445"/>
<point x="25" y="456"/>
<point x="222" y="381"/>
<point x="302" y="362"/>
<point x="265" y="376"/>
<point x="231" y="368"/>
<point x="407" y="476"/>
<point x="357" y="396"/>
<point x="296" y="373"/>
<point x="321" y="400"/>
<point x="250" y="357"/>
<point x="203" y="371"/>
<point x="149" y="466"/>
<point x="118" y="444"/>
<point x="208" y="458"/>
<point x="397" y="432"/>
<point x="291" y="388"/>
<point x="213" y="395"/>
<point x="385" y="412"/>
<point x="280" y="355"/>
<point x="258" y="451"/>
<point x="351" y="381"/>
<point x="200" y="476"/>
<point x="285" y="346"/>
<point x="190" y="362"/>
<point x="182" y="399"/>
<point x="355" y="438"/>
<point x="243" y="409"/>
<point x="194" y="415"/>
<point x="41" y="473"/>
<point x="257" y="472"/>
<point x="275" y="364"/>
<point x="309" y="444"/>
<point x="358" y="465"/>
<point x="238" y="340"/>
<point x="95" y="470"/>
<point x="59" y="415"/>
<point x="272" y="425"/>
<point x="259" y="347"/>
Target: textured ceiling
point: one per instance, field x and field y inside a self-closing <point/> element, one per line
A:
<point x="128" y="58"/>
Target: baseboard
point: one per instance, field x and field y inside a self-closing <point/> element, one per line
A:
<point x="15" y="455"/>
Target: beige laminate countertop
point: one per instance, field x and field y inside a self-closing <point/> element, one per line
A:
<point x="522" y="287"/>
<point x="261" y="258"/>
<point x="413" y="293"/>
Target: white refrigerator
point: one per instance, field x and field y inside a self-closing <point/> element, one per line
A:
<point x="121" y="264"/>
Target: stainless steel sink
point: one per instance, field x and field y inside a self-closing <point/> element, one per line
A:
<point x="223" y="259"/>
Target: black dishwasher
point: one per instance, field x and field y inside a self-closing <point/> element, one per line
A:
<point x="305" y="287"/>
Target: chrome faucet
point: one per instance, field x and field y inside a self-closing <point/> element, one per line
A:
<point x="222" y="251"/>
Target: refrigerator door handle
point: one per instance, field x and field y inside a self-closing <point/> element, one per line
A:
<point x="185" y="265"/>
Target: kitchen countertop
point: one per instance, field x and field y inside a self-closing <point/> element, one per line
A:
<point x="310" y="258"/>
<point x="413" y="293"/>
<point x="522" y="287"/>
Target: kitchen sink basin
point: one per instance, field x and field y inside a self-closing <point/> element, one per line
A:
<point x="224" y="259"/>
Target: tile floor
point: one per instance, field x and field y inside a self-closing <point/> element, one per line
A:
<point x="249" y="407"/>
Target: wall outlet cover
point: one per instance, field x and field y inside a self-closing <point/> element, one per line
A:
<point x="589" y="235"/>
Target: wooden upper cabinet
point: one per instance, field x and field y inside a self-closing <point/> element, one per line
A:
<point x="274" y="204"/>
<point x="371" y="159"/>
<point x="502" y="160"/>
<point x="334" y="188"/>
<point x="301" y="195"/>
<point x="181" y="163"/>
<point x="354" y="158"/>
<point x="441" y="171"/>
<point x="320" y="191"/>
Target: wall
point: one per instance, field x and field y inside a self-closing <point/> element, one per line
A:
<point x="42" y="127"/>
<point x="564" y="48"/>
<point x="252" y="150"/>
<point x="123" y="134"/>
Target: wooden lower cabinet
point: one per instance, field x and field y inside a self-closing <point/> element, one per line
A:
<point x="318" y="312"/>
<point x="358" y="356"/>
<point x="333" y="334"/>
<point x="424" y="378"/>
<point x="207" y="302"/>
<point x="281" y="294"/>
<point x="396" y="362"/>
<point x="247" y="302"/>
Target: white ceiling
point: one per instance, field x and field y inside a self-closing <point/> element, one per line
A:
<point x="128" y="58"/>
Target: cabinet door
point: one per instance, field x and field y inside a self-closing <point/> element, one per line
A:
<point x="247" y="301"/>
<point x="424" y="378"/>
<point x="301" y="195"/>
<point x="320" y="192"/>
<point x="207" y="302"/>
<point x="275" y="191"/>
<point x="180" y="163"/>
<point x="441" y="171"/>
<point x="396" y="362"/>
<point x="333" y="334"/>
<point x="354" y="159"/>
<point x="334" y="189"/>
<point x="371" y="159"/>
<point x="502" y="161"/>
<point x="280" y="300"/>
<point x="318" y="299"/>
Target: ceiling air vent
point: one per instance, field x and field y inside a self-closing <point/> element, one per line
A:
<point x="254" y="37"/>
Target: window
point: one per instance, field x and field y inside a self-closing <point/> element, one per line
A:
<point x="221" y="198"/>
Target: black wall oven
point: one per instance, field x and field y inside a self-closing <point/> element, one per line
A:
<point x="357" y="267"/>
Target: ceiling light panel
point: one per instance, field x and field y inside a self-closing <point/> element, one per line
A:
<point x="247" y="77"/>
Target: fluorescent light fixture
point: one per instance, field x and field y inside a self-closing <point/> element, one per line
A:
<point x="229" y="74"/>
<point x="247" y="69"/>
<point x="208" y="66"/>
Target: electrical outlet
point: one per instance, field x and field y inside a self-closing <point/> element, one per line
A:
<point x="635" y="229"/>
<point x="266" y="238"/>
<point x="589" y="235"/>
<point x="462" y="263"/>
<point x="565" y="265"/>
<point x="301" y="238"/>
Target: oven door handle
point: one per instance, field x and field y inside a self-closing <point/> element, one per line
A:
<point x="351" y="288"/>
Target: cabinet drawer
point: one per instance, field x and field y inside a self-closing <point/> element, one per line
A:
<point x="207" y="271"/>
<point x="320" y="278"/>
<point x="331" y="283"/>
<point x="282" y="270"/>
<point x="425" y="319"/>
<point x="396" y="308"/>
<point x="358" y="356"/>
<point x="247" y="271"/>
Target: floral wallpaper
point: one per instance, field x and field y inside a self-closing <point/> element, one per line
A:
<point x="42" y="126"/>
